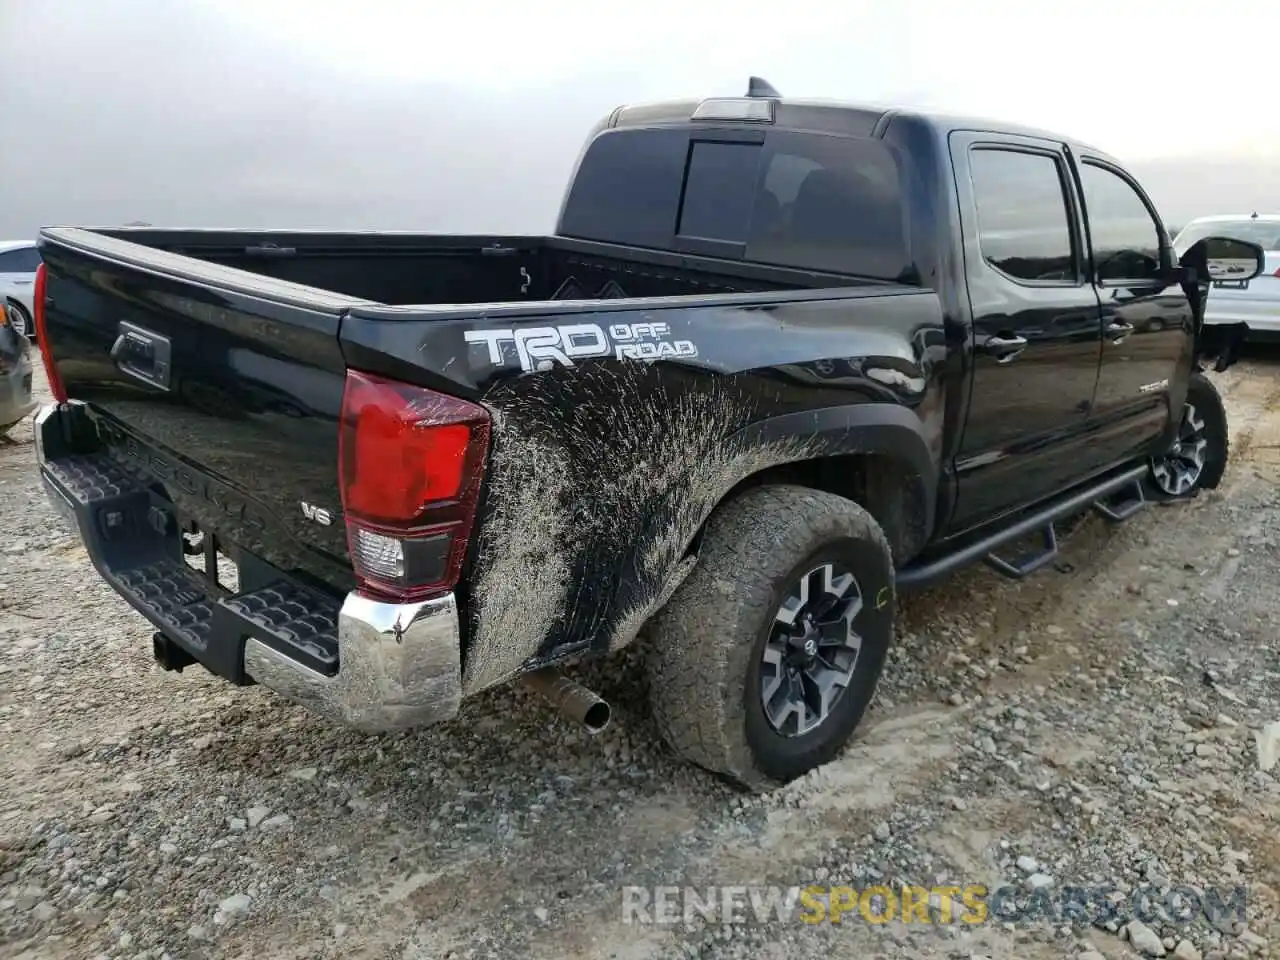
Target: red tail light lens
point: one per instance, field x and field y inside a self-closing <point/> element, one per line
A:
<point x="411" y="463"/>
<point x="42" y="336"/>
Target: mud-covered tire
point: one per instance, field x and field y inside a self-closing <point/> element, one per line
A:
<point x="1204" y="399"/>
<point x="709" y="640"/>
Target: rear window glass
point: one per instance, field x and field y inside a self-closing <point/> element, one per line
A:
<point x="801" y="200"/>
<point x="718" y="191"/>
<point x="627" y="188"/>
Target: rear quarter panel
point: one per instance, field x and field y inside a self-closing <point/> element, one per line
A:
<point x="603" y="469"/>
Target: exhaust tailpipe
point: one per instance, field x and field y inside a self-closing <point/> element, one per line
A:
<point x="574" y="701"/>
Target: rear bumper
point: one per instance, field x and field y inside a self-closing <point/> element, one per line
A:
<point x="375" y="666"/>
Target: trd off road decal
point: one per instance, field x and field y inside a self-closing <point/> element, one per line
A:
<point x="539" y="348"/>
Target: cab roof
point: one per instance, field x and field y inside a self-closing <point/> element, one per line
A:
<point x="837" y="117"/>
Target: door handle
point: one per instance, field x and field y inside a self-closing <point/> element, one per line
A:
<point x="1117" y="330"/>
<point x="1004" y="349"/>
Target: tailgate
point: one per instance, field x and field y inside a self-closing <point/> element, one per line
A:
<point x="220" y="387"/>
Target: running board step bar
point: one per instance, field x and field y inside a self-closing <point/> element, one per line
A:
<point x="1116" y="509"/>
<point x="1026" y="565"/>
<point x="1097" y="496"/>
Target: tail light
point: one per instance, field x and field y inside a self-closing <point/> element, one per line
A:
<point x="411" y="462"/>
<point x="42" y="336"/>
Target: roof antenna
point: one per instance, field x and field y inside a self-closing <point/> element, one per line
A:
<point x="759" y="87"/>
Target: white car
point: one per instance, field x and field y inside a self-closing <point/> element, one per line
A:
<point x="18" y="262"/>
<point x="1253" y="302"/>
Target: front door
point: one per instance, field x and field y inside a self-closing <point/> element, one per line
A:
<point x="1147" y="325"/>
<point x="1036" y="325"/>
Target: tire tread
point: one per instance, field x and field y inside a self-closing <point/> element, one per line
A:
<point x="749" y="543"/>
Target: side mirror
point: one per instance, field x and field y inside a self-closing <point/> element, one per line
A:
<point x="1225" y="259"/>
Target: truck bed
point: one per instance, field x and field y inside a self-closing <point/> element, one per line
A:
<point x="403" y="268"/>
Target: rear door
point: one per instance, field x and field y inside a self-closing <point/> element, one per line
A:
<point x="1148" y="336"/>
<point x="1036" y="324"/>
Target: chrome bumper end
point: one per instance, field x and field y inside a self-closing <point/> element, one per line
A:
<point x="400" y="666"/>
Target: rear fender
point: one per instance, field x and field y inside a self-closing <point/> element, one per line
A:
<point x="881" y="429"/>
<point x="588" y="524"/>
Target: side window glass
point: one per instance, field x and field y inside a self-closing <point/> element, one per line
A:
<point x="29" y="260"/>
<point x="1023" y="226"/>
<point x="22" y="260"/>
<point x="1126" y="240"/>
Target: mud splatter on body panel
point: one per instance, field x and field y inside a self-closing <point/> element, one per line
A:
<point x="592" y="519"/>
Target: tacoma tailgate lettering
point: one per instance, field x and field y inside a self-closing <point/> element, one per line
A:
<point x="190" y="483"/>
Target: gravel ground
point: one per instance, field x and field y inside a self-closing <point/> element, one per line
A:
<point x="1097" y="724"/>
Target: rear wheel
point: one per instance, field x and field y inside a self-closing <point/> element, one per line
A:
<point x="1197" y="457"/>
<point x="766" y="658"/>
<point x="20" y="320"/>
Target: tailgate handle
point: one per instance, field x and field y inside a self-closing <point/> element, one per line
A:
<point x="142" y="354"/>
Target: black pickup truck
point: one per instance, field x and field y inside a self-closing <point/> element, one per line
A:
<point x="780" y="359"/>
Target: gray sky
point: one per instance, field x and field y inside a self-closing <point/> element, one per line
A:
<point x="397" y="115"/>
